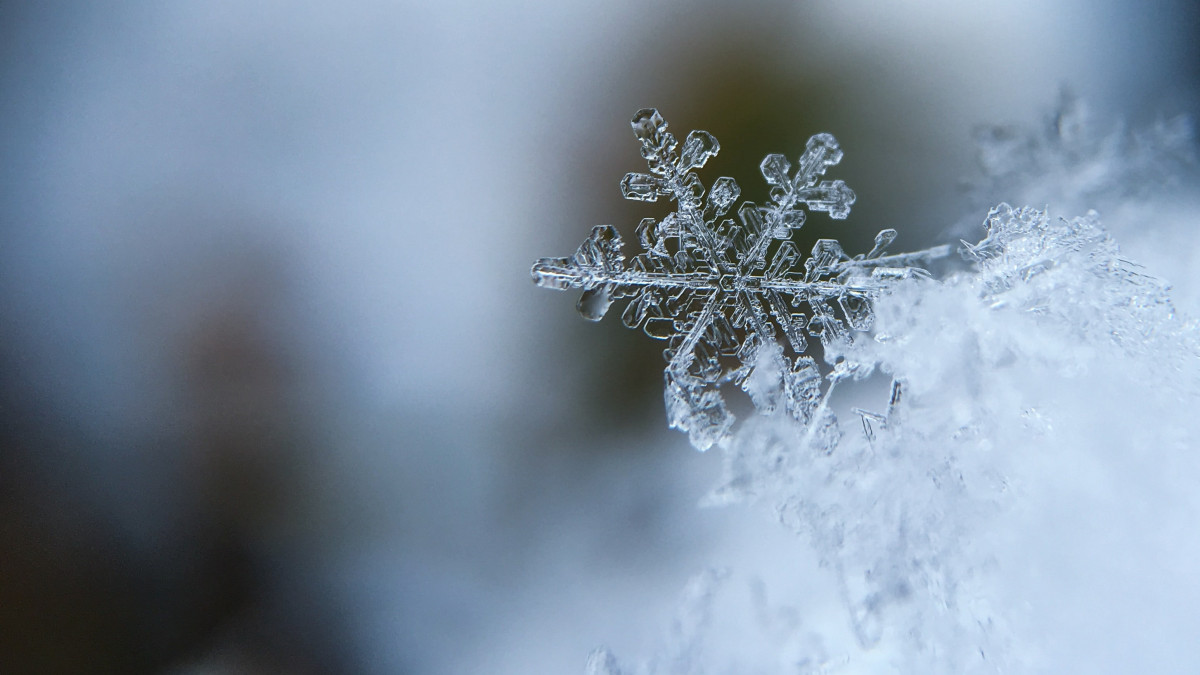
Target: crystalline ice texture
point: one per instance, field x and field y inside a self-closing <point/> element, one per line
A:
<point x="719" y="289"/>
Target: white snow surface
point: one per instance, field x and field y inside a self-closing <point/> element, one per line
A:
<point x="1030" y="504"/>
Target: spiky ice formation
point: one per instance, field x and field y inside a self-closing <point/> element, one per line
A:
<point x="718" y="290"/>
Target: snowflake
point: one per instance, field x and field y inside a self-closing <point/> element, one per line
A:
<point x="717" y="289"/>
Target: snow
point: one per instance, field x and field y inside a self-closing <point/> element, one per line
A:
<point x="1028" y="501"/>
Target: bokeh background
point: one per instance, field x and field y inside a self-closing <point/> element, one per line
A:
<point x="276" y="392"/>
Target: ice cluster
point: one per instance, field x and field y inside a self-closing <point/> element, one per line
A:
<point x="940" y="528"/>
<point x="1025" y="501"/>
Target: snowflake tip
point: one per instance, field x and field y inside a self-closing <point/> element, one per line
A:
<point x="697" y="149"/>
<point x="641" y="187"/>
<point x="821" y="152"/>
<point x="594" y="262"/>
<point x="647" y="122"/>
<point x="775" y="168"/>
<point x="651" y="129"/>
<point x="882" y="241"/>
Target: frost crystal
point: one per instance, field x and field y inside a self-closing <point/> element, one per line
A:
<point x="717" y="289"/>
<point x="1031" y="262"/>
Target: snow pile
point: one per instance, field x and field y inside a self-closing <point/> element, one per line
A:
<point x="1027" y="499"/>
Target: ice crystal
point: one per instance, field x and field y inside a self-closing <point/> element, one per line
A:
<point x="1041" y="424"/>
<point x="1047" y="336"/>
<point x="718" y="290"/>
<point x="1032" y="262"/>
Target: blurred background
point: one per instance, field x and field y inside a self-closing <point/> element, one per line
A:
<point x="276" y="392"/>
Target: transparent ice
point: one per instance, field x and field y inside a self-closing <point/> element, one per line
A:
<point x="716" y="289"/>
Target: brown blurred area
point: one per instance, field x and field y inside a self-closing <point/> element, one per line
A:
<point x="78" y="595"/>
